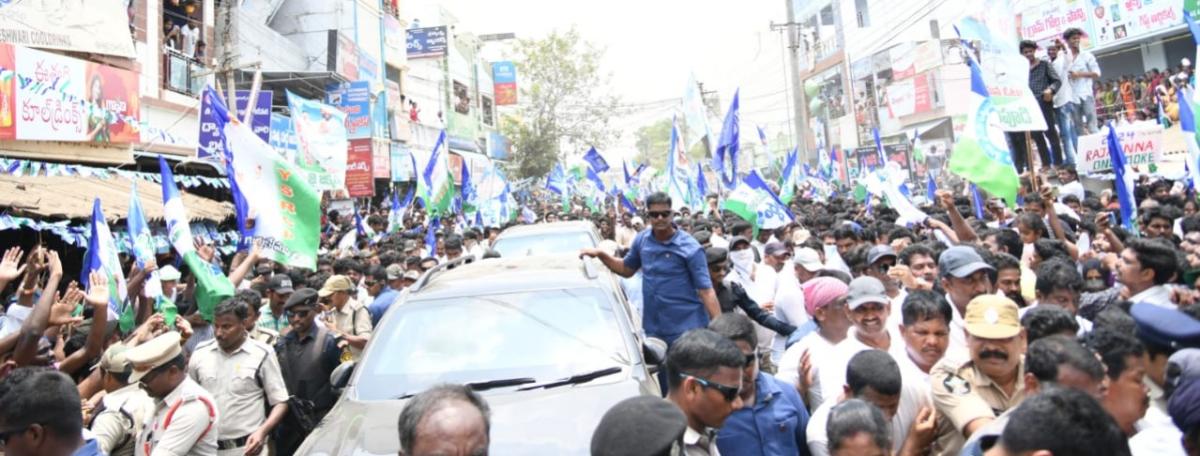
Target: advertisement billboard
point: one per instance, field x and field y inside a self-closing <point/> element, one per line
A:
<point x="393" y="41"/>
<point x="504" y="83"/>
<point x="354" y="99"/>
<point x="343" y="56"/>
<point x="211" y="145"/>
<point x="58" y="98"/>
<point x="283" y="136"/>
<point x="359" y="180"/>
<point x="427" y="42"/>
<point x="94" y="26"/>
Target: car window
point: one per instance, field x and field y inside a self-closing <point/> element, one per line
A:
<point x="546" y="335"/>
<point x="543" y="243"/>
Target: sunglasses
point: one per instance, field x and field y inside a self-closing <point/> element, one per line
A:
<point x="751" y="358"/>
<point x="658" y="214"/>
<point x="298" y="313"/>
<point x="370" y="283"/>
<point x="728" y="392"/>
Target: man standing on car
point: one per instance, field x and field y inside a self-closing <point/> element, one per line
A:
<point x="677" y="292"/>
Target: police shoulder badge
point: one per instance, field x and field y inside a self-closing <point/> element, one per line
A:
<point x="956" y="385"/>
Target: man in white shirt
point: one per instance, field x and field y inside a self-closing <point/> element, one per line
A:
<point x="964" y="276"/>
<point x="1082" y="72"/>
<point x="881" y="259"/>
<point x="868" y="308"/>
<point x="825" y="300"/>
<point x="775" y="289"/>
<point x="874" y="376"/>
<point x="1145" y="268"/>
<point x="925" y="329"/>
<point x="1060" y="284"/>
<point x="1069" y="184"/>
<point x="1064" y="104"/>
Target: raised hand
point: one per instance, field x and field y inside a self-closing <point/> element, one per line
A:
<point x="63" y="310"/>
<point x="97" y="294"/>
<point x="10" y="265"/>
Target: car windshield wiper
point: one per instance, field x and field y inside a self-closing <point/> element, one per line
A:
<point x="486" y="385"/>
<point x="575" y="379"/>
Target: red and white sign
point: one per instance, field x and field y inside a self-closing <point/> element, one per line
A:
<point x="1143" y="145"/>
<point x="360" y="181"/>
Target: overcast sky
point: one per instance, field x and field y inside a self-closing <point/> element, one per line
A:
<point x="652" y="45"/>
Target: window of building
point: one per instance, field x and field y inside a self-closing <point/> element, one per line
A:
<point x="185" y="52"/>
<point x="862" y="14"/>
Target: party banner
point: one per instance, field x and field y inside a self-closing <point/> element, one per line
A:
<point x="321" y="136"/>
<point x="59" y="98"/>
<point x="211" y="146"/>
<point x="1143" y="145"/>
<point x="1045" y="23"/>
<point x="1123" y="20"/>
<point x="359" y="181"/>
<point x="1005" y="71"/>
<point x="93" y="26"/>
<point x="8" y="92"/>
<point x="283" y="136"/>
<point x="354" y="99"/>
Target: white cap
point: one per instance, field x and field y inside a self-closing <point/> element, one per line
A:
<point x="637" y="221"/>
<point x="168" y="273"/>
<point x="808" y="259"/>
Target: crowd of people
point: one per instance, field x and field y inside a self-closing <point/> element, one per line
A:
<point x="1044" y="326"/>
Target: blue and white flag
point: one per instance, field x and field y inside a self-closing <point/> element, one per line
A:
<point x="930" y="188"/>
<point x="527" y="215"/>
<point x="678" y="187"/>
<point x="557" y="180"/>
<point x="1124" y="179"/>
<point x="212" y="286"/>
<point x="102" y="256"/>
<point x="762" y="134"/>
<point x="431" y="236"/>
<point x="977" y="202"/>
<point x="754" y="202"/>
<point x="595" y="161"/>
<point x="141" y="242"/>
<point x="1187" y="123"/>
<point x="701" y="182"/>
<point x="879" y="147"/>
<point x="725" y="157"/>
<point x="787" y="179"/>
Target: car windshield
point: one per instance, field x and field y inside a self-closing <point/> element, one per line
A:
<point x="543" y="243"/>
<point x="540" y="335"/>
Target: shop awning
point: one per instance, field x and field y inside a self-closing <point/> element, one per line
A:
<point x="929" y="126"/>
<point x="70" y="197"/>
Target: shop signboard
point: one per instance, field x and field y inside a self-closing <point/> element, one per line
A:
<point x="1121" y="20"/>
<point x="51" y="97"/>
<point x="402" y="163"/>
<point x="354" y="99"/>
<point x="427" y="42"/>
<point x="1142" y="144"/>
<point x="393" y="41"/>
<point x="211" y="145"/>
<point x="92" y="26"/>
<point x="927" y="55"/>
<point x="381" y="159"/>
<point x="360" y="182"/>
<point x="504" y="80"/>
<point x="343" y="56"/>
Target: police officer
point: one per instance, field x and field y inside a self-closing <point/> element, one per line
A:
<point x="243" y="374"/>
<point x="118" y="421"/>
<point x="969" y="394"/>
<point x="185" y="417"/>
<point x="1165" y="332"/>
<point x="307" y="353"/>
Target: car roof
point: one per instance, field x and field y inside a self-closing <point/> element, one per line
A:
<point x="551" y="227"/>
<point x="504" y="275"/>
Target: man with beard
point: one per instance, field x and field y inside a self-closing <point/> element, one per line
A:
<point x="867" y="305"/>
<point x="1008" y="277"/>
<point x="970" y="394"/>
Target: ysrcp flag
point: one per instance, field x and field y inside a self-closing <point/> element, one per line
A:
<point x="1005" y="71"/>
<point x="981" y="153"/>
<point x="436" y="182"/>
<point x="211" y="284"/>
<point x="102" y="256"/>
<point x="142" y="243"/>
<point x="321" y="134"/>
<point x="678" y="186"/>
<point x="754" y="202"/>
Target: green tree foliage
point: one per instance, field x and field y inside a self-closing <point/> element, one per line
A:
<point x="562" y="106"/>
<point x="652" y="142"/>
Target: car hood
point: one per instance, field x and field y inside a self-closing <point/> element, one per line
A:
<point x="557" y="421"/>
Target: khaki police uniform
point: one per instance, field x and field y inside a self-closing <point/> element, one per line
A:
<point x="961" y="392"/>
<point x="185" y="421"/>
<point x="353" y="319"/>
<point x="117" y="426"/>
<point x="264" y="335"/>
<point x="245" y="384"/>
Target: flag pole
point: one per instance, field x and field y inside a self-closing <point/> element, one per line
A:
<point x="1033" y="175"/>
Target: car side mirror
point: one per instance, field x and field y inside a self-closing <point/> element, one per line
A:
<point x="340" y="377"/>
<point x="654" y="351"/>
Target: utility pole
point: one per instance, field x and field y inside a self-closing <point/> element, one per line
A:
<point x="799" y="104"/>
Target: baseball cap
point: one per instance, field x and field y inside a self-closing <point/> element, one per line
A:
<point x="808" y="259"/>
<point x="775" y="248"/>
<point x="157" y="352"/>
<point x="114" y="360"/>
<point x="280" y="283"/>
<point x="716" y="255"/>
<point x="991" y="316"/>
<point x="702" y="237"/>
<point x="734" y="241"/>
<point x="334" y="284"/>
<point x="879" y="252"/>
<point x="302" y="297"/>
<point x="866" y="289"/>
<point x="961" y="261"/>
<point x="395" y="271"/>
<point x="168" y="273"/>
<point x="412" y="275"/>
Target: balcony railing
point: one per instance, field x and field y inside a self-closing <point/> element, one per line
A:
<point x="182" y="74"/>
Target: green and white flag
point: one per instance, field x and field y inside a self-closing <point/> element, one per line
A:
<point x="286" y="210"/>
<point x="211" y="284"/>
<point x="754" y="202"/>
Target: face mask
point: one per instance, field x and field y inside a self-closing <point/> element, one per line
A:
<point x="1094" y="285"/>
<point x="742" y="260"/>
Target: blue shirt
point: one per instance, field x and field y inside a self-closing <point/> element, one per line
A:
<point x="773" y="426"/>
<point x="381" y="304"/>
<point x="672" y="272"/>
